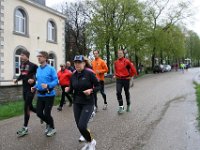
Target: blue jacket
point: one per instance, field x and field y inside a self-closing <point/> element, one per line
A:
<point x="47" y="75"/>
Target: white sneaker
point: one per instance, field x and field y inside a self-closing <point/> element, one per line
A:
<point x="105" y="106"/>
<point x="81" y="139"/>
<point x="47" y="129"/>
<point x="89" y="146"/>
<point x="85" y="147"/>
<point x="51" y="132"/>
<point x="92" y="145"/>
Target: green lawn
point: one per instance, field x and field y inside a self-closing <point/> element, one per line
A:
<point x="197" y="87"/>
<point x="11" y="109"/>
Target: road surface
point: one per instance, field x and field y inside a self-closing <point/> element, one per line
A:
<point x="163" y="117"/>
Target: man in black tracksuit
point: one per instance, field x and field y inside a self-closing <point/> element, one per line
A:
<point x="82" y="84"/>
<point x="28" y="71"/>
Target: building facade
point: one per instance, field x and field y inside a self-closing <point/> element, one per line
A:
<point x="29" y="25"/>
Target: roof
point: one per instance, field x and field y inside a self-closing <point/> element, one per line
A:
<point x="45" y="8"/>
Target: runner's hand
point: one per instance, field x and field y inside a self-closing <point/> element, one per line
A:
<point x="67" y="89"/>
<point x="33" y="89"/>
<point x="88" y="92"/>
<point x="15" y="81"/>
<point x="31" y="81"/>
<point x="44" y="86"/>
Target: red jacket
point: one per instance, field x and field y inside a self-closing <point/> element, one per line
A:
<point x="64" y="77"/>
<point x="124" y="68"/>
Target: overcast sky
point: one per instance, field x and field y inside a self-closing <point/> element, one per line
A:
<point x="193" y="24"/>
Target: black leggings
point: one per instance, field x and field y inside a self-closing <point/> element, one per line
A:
<point x="44" y="107"/>
<point x="82" y="113"/>
<point x="28" y="106"/>
<point x="63" y="96"/>
<point x="102" y="93"/>
<point x="123" y="83"/>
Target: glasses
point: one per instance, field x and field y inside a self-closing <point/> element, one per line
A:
<point x="61" y="66"/>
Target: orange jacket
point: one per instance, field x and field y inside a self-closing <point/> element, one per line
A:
<point x="124" y="68"/>
<point x="100" y="68"/>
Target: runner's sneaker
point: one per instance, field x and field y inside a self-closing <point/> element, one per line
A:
<point x="105" y="106"/>
<point x="121" y="110"/>
<point x="90" y="146"/>
<point x="41" y="121"/>
<point x="81" y="139"/>
<point x="59" y="108"/>
<point x="23" y="131"/>
<point x="46" y="129"/>
<point x="51" y="132"/>
<point x="128" y="109"/>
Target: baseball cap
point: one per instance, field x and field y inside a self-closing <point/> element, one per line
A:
<point x="79" y="58"/>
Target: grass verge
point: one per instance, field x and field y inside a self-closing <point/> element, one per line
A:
<point x="12" y="109"/>
<point x="197" y="87"/>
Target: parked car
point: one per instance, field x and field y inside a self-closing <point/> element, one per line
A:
<point x="158" y="68"/>
<point x="167" y="68"/>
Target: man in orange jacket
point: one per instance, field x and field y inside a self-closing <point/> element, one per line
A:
<point x="124" y="70"/>
<point x="100" y="68"/>
<point x="64" y="76"/>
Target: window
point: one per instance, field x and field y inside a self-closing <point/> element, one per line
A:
<point x="51" y="31"/>
<point x="17" y="62"/>
<point x="52" y="60"/>
<point x="20" y="21"/>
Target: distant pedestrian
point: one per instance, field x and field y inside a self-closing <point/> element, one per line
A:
<point x="83" y="84"/>
<point x="27" y="75"/>
<point x="64" y="76"/>
<point x="182" y="67"/>
<point x="124" y="70"/>
<point x="69" y="67"/>
<point x="100" y="68"/>
<point x="46" y="81"/>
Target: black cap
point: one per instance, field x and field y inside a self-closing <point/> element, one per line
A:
<point x="79" y="58"/>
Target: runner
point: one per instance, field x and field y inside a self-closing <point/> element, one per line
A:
<point x="100" y="68"/>
<point x="46" y="81"/>
<point x="82" y="84"/>
<point x="28" y="71"/>
<point x="124" y="70"/>
<point x="64" y="76"/>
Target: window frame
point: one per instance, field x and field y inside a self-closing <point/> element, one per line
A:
<point x="51" y="31"/>
<point x="20" y="21"/>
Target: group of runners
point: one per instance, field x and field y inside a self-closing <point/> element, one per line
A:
<point x="79" y="84"/>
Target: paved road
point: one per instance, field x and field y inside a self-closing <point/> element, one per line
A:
<point x="163" y="117"/>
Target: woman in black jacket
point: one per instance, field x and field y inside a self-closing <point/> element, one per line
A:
<point x="82" y="85"/>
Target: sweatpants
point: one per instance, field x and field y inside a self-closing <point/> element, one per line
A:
<point x="82" y="113"/>
<point x="123" y="83"/>
<point x="44" y="107"/>
<point x="28" y="106"/>
<point x="102" y="93"/>
<point x="63" y="96"/>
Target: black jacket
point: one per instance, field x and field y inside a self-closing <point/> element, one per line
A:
<point x="28" y="71"/>
<point x="80" y="82"/>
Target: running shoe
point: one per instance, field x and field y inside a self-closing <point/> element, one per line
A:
<point x="23" y="131"/>
<point x="128" y="109"/>
<point x="81" y="139"/>
<point x="47" y="129"/>
<point x="59" y="108"/>
<point x="51" y="132"/>
<point x="90" y="145"/>
<point x="121" y="110"/>
<point x="105" y="106"/>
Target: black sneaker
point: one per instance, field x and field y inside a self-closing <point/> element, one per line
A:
<point x="59" y="108"/>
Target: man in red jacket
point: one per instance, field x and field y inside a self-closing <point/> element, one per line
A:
<point x="124" y="70"/>
<point x="64" y="76"/>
